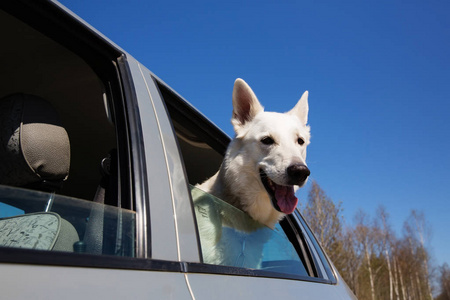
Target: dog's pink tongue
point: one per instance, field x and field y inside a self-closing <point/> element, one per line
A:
<point x="286" y="199"/>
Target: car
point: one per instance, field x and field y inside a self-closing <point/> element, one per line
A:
<point x="99" y="159"/>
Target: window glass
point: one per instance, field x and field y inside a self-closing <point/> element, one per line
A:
<point x="46" y="221"/>
<point x="229" y="237"/>
<point x="9" y="210"/>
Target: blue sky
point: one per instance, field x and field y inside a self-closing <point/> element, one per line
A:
<point x="378" y="74"/>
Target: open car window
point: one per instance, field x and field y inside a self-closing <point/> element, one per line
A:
<point x="231" y="242"/>
<point x="230" y="237"/>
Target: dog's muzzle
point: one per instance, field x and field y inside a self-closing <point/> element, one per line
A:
<point x="283" y="196"/>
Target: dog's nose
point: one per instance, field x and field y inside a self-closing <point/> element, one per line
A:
<point x="298" y="173"/>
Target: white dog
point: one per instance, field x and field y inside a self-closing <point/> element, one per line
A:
<point x="265" y="162"/>
<point x="263" y="166"/>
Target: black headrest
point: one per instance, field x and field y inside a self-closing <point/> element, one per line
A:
<point x="34" y="147"/>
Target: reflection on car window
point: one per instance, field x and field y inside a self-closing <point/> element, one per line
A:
<point x="229" y="237"/>
<point x="45" y="221"/>
<point x="9" y="211"/>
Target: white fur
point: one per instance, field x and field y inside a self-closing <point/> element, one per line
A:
<point x="238" y="179"/>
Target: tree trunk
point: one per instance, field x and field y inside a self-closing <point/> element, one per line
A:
<point x="419" y="288"/>
<point x="391" y="292"/>
<point x="369" y="267"/>
<point x="413" y="289"/>
<point x="397" y="294"/>
<point x="427" y="280"/>
<point x="402" y="283"/>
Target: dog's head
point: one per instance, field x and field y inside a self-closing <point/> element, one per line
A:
<point x="273" y="145"/>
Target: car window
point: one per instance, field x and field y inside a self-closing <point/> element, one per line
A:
<point x="229" y="237"/>
<point x="59" y="223"/>
<point x="246" y="245"/>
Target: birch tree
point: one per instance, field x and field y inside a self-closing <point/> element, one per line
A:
<point x="374" y="261"/>
<point x="418" y="233"/>
<point x="325" y="220"/>
<point x="364" y="237"/>
<point x="386" y="234"/>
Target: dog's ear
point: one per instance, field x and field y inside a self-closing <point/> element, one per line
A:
<point x="301" y="108"/>
<point x="245" y="104"/>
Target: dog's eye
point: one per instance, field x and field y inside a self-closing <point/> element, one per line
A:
<point x="267" y="140"/>
<point x="300" y="141"/>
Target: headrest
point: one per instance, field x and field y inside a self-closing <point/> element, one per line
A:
<point x="34" y="147"/>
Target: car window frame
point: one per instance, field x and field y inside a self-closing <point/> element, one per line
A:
<point x="321" y="258"/>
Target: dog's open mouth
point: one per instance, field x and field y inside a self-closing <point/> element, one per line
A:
<point x="282" y="196"/>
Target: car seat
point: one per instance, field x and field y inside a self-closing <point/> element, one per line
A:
<point x="34" y="154"/>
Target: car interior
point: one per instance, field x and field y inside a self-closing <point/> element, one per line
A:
<point x="37" y="66"/>
<point x="59" y="135"/>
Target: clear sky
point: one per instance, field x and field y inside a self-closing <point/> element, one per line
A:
<point x="378" y="75"/>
